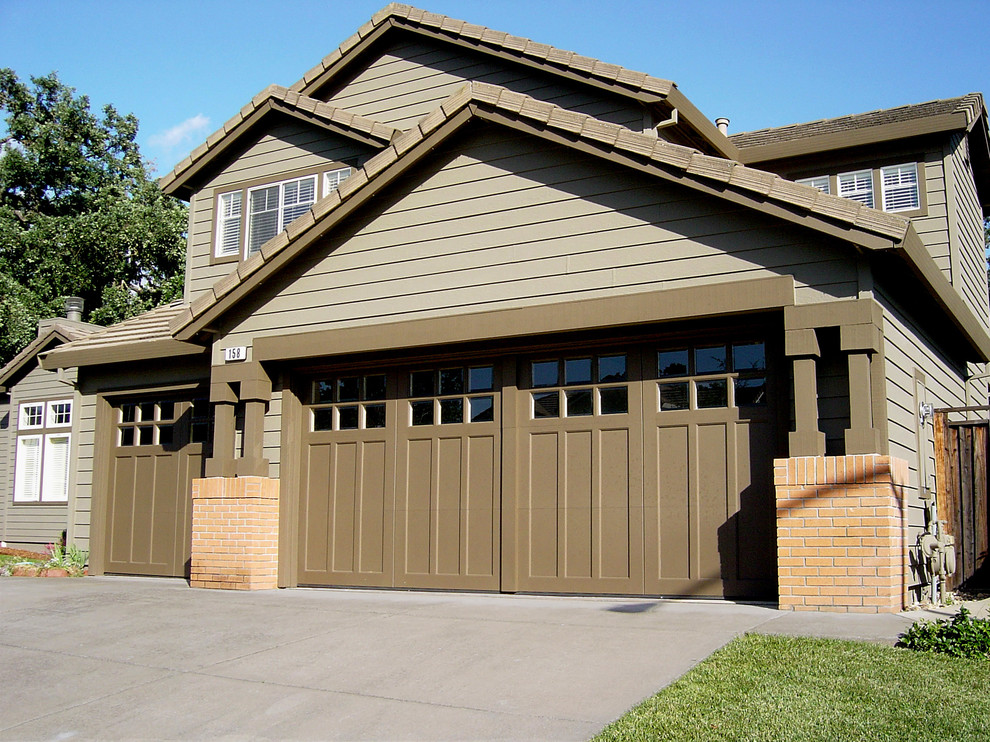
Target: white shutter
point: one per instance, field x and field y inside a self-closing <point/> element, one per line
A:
<point x="27" y="469"/>
<point x="56" y="468"/>
<point x="228" y="224"/>
<point x="899" y="184"/>
<point x="857" y="186"/>
<point x="820" y="182"/>
<point x="333" y="179"/>
<point x="262" y="216"/>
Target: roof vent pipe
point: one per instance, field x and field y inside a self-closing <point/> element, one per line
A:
<point x="723" y="125"/>
<point x="74" y="308"/>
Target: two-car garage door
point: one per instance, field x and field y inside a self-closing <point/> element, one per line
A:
<point x="638" y="469"/>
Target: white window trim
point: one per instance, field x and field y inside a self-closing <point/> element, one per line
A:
<point x="280" y="208"/>
<point x="821" y="182"/>
<point x="28" y="490"/>
<point x="888" y="191"/>
<point x="860" y="193"/>
<point x="51" y="478"/>
<point x="50" y="414"/>
<point x="22" y="421"/>
<point x="222" y="219"/>
<point x="333" y="178"/>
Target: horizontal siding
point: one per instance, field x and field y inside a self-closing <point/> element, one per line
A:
<point x="933" y="227"/>
<point x="907" y="348"/>
<point x="414" y="75"/>
<point x="6" y="478"/>
<point x="518" y="222"/>
<point x="287" y="148"/>
<point x="972" y="282"/>
<point x="273" y="434"/>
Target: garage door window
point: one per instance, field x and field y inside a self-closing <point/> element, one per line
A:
<point x="553" y="383"/>
<point x="452" y="395"/>
<point x="349" y="403"/>
<point x="712" y="376"/>
<point x="156" y="422"/>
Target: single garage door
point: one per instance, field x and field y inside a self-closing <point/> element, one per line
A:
<point x="400" y="482"/>
<point x="642" y="469"/>
<point x="157" y="452"/>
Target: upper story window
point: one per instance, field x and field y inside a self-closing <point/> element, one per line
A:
<point x="899" y="186"/>
<point x="247" y="218"/>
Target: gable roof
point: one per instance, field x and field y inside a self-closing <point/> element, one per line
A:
<point x="842" y="218"/>
<point x="586" y="70"/>
<point x="272" y="100"/>
<point x="143" y="337"/>
<point x="950" y="114"/>
<point x="57" y="331"/>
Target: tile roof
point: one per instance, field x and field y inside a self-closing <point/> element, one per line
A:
<point x="291" y="100"/>
<point x="55" y="329"/>
<point x="410" y="17"/>
<point x="971" y="105"/>
<point x="682" y="161"/>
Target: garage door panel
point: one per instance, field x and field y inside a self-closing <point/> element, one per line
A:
<point x="122" y="510"/>
<point x="669" y="512"/>
<point x="373" y="506"/>
<point x="615" y="526"/>
<point x="164" y="509"/>
<point x="481" y="512"/>
<point x="575" y="549"/>
<point x="710" y="498"/>
<point x="541" y="514"/>
<point x="757" y="555"/>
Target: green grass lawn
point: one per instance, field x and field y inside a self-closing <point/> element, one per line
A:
<point x="777" y="688"/>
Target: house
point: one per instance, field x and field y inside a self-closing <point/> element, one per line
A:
<point x="466" y="311"/>
<point x="39" y="438"/>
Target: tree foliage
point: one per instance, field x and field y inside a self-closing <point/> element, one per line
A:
<point x="79" y="214"/>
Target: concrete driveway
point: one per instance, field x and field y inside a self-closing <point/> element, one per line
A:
<point x="142" y="658"/>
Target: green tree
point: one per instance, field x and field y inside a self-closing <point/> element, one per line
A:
<point x="79" y="214"/>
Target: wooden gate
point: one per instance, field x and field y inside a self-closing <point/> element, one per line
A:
<point x="961" y="471"/>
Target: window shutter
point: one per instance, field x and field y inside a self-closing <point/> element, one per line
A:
<point x="820" y="182"/>
<point x="899" y="184"/>
<point x="857" y="186"/>
<point x="56" y="468"/>
<point x="27" y="472"/>
<point x="263" y="217"/>
<point x="229" y="224"/>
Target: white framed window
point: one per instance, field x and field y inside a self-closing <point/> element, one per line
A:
<point x="32" y="416"/>
<point x="857" y="186"/>
<point x="27" y="469"/>
<point x="228" y="224"/>
<point x="899" y="187"/>
<point x="60" y="413"/>
<point x="333" y="179"/>
<point x="55" y="469"/>
<point x="820" y="182"/>
<point x="271" y="208"/>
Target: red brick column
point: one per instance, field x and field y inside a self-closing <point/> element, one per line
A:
<point x="235" y="533"/>
<point x="841" y="533"/>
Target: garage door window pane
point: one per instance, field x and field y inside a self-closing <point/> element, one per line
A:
<point x="323" y="392"/>
<point x="451" y="411"/>
<point x="347" y="418"/>
<point x="712" y="394"/>
<point x="323" y="419"/>
<point x="374" y="416"/>
<point x="710" y="360"/>
<point x="546" y="404"/>
<point x="146" y="435"/>
<point x="611" y="369"/>
<point x="481" y="379"/>
<point x="674" y="396"/>
<point x="482" y="409"/>
<point x="750" y="392"/>
<point x="422" y="412"/>
<point x="673" y="362"/>
<point x="749" y="357"/>
<point x="348" y="389"/>
<point x="127" y="413"/>
<point x="613" y="400"/>
<point x="127" y="437"/>
<point x="165" y="435"/>
<point x="166" y="410"/>
<point x="374" y="387"/>
<point x="579" y="402"/>
<point x="452" y="381"/>
<point x="147" y="411"/>
<point x="577" y="371"/>
<point x="545" y="373"/>
<point x="421" y="385"/>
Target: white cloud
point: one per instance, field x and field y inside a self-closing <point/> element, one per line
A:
<point x="180" y="133"/>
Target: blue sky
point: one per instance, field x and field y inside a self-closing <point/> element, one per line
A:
<point x="184" y="67"/>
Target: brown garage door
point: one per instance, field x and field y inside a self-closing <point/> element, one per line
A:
<point x="158" y="450"/>
<point x="642" y="469"/>
<point x="400" y="481"/>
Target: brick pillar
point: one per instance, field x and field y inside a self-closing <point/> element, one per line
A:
<point x="841" y="533"/>
<point x="235" y="533"/>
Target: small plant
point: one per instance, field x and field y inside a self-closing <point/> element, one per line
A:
<point x="70" y="558"/>
<point x="960" y="636"/>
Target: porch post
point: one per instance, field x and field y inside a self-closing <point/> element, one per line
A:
<point x="861" y="341"/>
<point x="806" y="439"/>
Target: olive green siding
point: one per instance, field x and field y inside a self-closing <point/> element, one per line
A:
<point x="273" y="433"/>
<point x="6" y="468"/>
<point x="287" y="148"/>
<point x="414" y="75"/>
<point x="500" y="220"/>
<point x="932" y="226"/>
<point x="35" y="524"/>
<point x="968" y="216"/>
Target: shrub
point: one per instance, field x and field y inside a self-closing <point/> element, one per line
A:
<point x="960" y="636"/>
